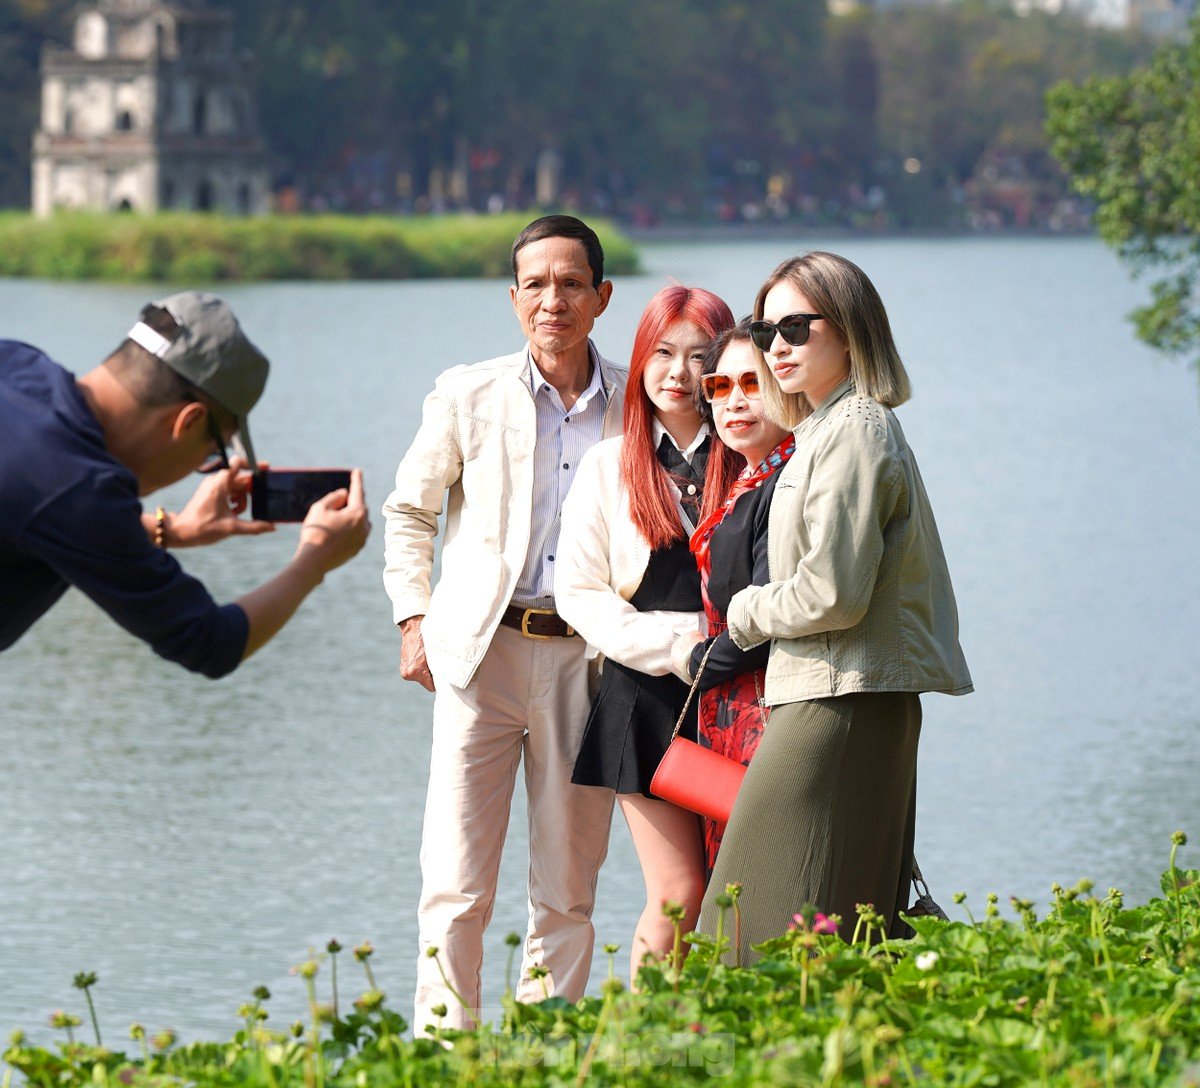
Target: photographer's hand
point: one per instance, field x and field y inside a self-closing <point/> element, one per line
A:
<point x="213" y="512"/>
<point x="334" y="531"/>
<point x="335" y="527"/>
<point x="413" y="665"/>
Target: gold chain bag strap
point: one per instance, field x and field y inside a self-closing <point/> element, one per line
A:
<point x="694" y="777"/>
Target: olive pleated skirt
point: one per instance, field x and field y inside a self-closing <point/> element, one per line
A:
<point x="825" y="817"/>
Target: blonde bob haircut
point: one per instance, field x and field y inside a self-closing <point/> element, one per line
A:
<point x="840" y="292"/>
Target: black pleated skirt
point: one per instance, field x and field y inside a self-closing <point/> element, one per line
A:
<point x="633" y="714"/>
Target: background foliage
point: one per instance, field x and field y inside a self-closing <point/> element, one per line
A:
<point x="1132" y="144"/>
<point x="179" y="247"/>
<point x="681" y="109"/>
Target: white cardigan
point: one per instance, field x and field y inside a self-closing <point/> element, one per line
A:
<point x="600" y="564"/>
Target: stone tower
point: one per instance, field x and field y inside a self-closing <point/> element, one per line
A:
<point x="152" y="109"/>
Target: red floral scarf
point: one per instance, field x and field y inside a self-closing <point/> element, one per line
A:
<point x="749" y="478"/>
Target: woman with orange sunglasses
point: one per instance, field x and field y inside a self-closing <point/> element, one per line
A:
<point x="730" y="546"/>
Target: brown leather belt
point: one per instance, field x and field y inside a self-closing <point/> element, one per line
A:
<point x="536" y="622"/>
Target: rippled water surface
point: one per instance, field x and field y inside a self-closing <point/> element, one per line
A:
<point x="189" y="840"/>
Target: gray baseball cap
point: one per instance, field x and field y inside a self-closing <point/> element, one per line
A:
<point x="211" y="352"/>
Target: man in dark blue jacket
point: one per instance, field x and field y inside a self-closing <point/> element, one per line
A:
<point x="77" y="455"/>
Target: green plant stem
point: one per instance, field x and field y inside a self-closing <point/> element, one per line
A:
<point x="457" y="996"/>
<point x="676" y="953"/>
<point x="718" y="940"/>
<point x="268" y="1073"/>
<point x="508" y="968"/>
<point x="1100" y="932"/>
<point x="902" y="1054"/>
<point x="1176" y="894"/>
<point x="589" y="1056"/>
<point x="87" y="993"/>
<point x="314" y="1059"/>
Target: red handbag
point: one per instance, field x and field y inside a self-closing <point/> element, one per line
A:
<point x="698" y="779"/>
<point x="694" y="777"/>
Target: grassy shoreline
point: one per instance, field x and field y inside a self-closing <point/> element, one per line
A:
<point x="193" y="249"/>
<point x="1095" y="994"/>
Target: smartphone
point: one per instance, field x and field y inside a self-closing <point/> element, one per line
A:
<point x="285" y="494"/>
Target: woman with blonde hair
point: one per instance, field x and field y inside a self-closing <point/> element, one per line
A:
<point x="626" y="581"/>
<point x="860" y="615"/>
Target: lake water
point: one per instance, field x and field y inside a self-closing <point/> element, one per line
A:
<point x="190" y="840"/>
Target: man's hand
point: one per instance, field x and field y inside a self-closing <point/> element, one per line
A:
<point x="335" y="527"/>
<point x="212" y="513"/>
<point x="413" y="665"/>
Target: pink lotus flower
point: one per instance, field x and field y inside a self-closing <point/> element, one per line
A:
<point x="823" y="923"/>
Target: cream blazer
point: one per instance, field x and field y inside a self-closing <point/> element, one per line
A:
<point x="475" y="445"/>
<point x="600" y="564"/>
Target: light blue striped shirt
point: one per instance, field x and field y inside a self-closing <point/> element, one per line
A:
<point x="563" y="436"/>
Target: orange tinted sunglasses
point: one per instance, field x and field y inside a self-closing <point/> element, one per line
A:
<point x="717" y="387"/>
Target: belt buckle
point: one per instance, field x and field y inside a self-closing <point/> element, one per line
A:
<point x="525" y="622"/>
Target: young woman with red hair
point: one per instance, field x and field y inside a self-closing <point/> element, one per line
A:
<point x="626" y="581"/>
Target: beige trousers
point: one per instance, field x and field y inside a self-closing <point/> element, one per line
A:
<point x="529" y="698"/>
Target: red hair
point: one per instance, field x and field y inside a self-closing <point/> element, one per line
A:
<point x="724" y="464"/>
<point x="652" y="500"/>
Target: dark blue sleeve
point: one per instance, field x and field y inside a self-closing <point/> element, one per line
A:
<point x="92" y="536"/>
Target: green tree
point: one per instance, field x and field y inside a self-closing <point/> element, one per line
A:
<point x="1132" y="144"/>
<point x="962" y="90"/>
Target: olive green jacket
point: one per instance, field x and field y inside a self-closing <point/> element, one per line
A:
<point x="860" y="596"/>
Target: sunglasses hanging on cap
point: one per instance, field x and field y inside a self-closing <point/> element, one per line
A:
<point x="220" y="458"/>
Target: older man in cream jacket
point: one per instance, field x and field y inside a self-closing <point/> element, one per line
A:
<point x="503" y="438"/>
